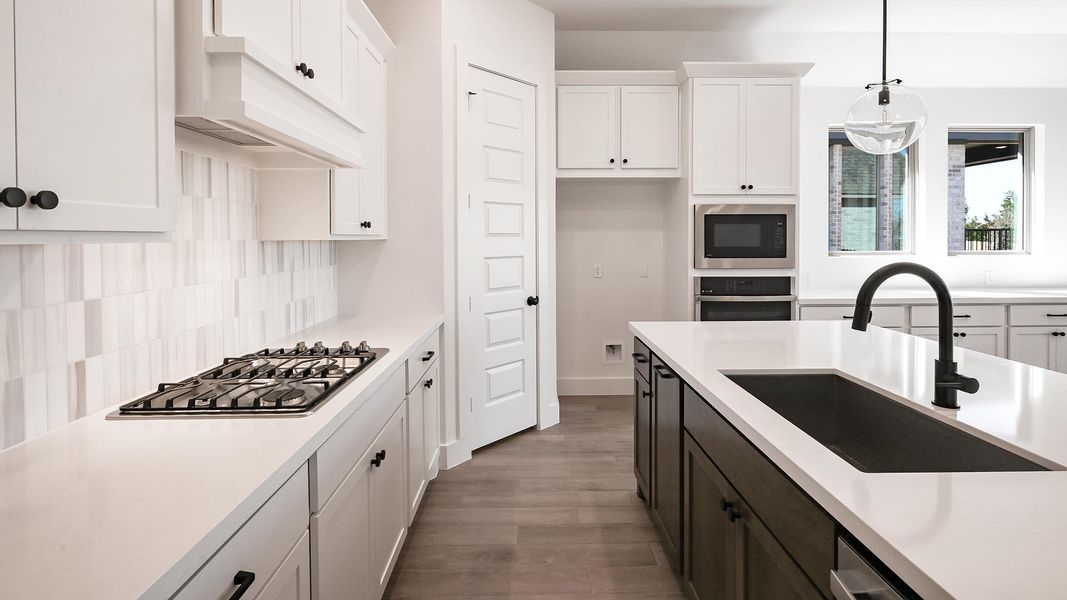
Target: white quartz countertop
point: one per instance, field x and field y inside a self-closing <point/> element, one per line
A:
<point x="115" y="509"/>
<point x="948" y="535"/>
<point x="926" y="296"/>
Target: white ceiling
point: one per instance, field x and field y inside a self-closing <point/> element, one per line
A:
<point x="950" y="16"/>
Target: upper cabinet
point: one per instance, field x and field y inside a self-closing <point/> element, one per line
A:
<point x="744" y="135"/>
<point x="86" y="131"/>
<point x="617" y="130"/>
<point x="277" y="73"/>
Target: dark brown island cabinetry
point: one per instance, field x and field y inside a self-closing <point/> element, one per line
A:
<point x="736" y="525"/>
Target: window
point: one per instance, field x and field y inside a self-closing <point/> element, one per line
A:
<point x="988" y="192"/>
<point x="870" y="199"/>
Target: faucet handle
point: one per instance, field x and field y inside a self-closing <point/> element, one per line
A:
<point x="956" y="381"/>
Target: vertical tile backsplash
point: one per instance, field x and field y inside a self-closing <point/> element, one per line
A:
<point x="85" y="326"/>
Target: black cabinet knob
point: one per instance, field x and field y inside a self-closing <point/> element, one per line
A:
<point x="12" y="197"/>
<point x="726" y="505"/>
<point x="955" y="334"/>
<point x="742" y="186"/>
<point x="243" y="580"/>
<point x="963" y="335"/>
<point x="366" y="224"/>
<point x="426" y="357"/>
<point x="646" y="394"/>
<point x="750" y="186"/>
<point x="429" y="383"/>
<point x="612" y="161"/>
<point x="45" y="199"/>
<point x="311" y="74"/>
<point x="732" y="515"/>
<point x="625" y="161"/>
<point x="303" y="68"/>
<point x="533" y="301"/>
<point x="379" y="458"/>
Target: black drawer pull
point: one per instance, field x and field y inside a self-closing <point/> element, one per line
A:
<point x="1056" y="316"/>
<point x="639" y="358"/>
<point x="428" y="356"/>
<point x="648" y="394"/>
<point x="732" y="515"/>
<point x="663" y="372"/>
<point x="243" y="579"/>
<point x="961" y="316"/>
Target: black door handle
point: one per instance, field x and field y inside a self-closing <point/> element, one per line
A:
<point x="243" y="579"/>
<point x="13" y="197"/>
<point x="428" y="356"/>
<point x="429" y="383"/>
<point x="45" y="199"/>
<point x="533" y="301"/>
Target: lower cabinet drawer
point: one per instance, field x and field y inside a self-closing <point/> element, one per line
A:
<point x="422" y="358"/>
<point x="803" y="529"/>
<point x="1038" y="314"/>
<point x="259" y="548"/>
<point x="882" y="316"/>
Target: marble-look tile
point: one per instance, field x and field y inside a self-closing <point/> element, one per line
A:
<point x="75" y="331"/>
<point x="94" y="384"/>
<point x="94" y="328"/>
<point x="10" y="345"/>
<point x="58" y="393"/>
<point x="33" y="338"/>
<point x="91" y="271"/>
<point x="76" y="401"/>
<point x="12" y="413"/>
<point x="31" y="272"/>
<point x="109" y="269"/>
<point x="55" y="335"/>
<point x="11" y="291"/>
<point x="54" y="279"/>
<point x="73" y="272"/>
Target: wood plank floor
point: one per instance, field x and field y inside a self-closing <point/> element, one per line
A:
<point x="542" y="515"/>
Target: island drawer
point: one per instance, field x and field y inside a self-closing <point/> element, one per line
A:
<point x="422" y="358"/>
<point x="1038" y="314"/>
<point x="643" y="360"/>
<point x="801" y="526"/>
<point x="963" y="315"/>
<point x="883" y="316"/>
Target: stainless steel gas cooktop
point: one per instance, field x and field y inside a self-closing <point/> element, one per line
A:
<point x="286" y="381"/>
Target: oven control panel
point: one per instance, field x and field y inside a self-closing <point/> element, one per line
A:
<point x="745" y="286"/>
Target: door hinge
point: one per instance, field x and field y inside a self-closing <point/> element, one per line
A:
<point x="470" y="95"/>
<point x="468" y="201"/>
<point x="470" y="403"/>
<point x="470" y="304"/>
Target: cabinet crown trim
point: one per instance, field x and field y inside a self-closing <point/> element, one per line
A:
<point x="693" y="69"/>
<point x="617" y="78"/>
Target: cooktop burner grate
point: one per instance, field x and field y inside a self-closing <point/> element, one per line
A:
<point x="269" y="382"/>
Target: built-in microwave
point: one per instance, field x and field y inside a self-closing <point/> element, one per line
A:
<point x="746" y="236"/>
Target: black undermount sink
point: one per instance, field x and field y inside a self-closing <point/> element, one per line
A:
<point x="874" y="433"/>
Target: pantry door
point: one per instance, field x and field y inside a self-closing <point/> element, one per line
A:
<point x="497" y="252"/>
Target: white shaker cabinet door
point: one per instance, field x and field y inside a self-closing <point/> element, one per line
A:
<point x="389" y="514"/>
<point x="423" y="436"/>
<point x="372" y="196"/>
<point x="718" y="136"/>
<point x="1036" y="346"/>
<point x="341" y="532"/>
<point x="770" y="136"/>
<point x="270" y="25"/>
<point x="990" y="340"/>
<point x="8" y="215"/>
<point x="95" y="113"/>
<point x="320" y="45"/>
<point x="649" y="127"/>
<point x="292" y="580"/>
<point x="588" y="124"/>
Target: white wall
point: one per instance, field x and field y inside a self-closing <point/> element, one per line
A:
<point x="623" y="227"/>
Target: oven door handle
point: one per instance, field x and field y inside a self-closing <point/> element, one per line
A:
<point x="746" y="298"/>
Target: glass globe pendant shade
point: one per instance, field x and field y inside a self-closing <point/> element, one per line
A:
<point x="879" y="127"/>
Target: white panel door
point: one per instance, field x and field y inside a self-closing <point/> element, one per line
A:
<point x="319" y="43"/>
<point x="770" y="142"/>
<point x="587" y="118"/>
<point x="498" y="236"/>
<point x="372" y="109"/>
<point x="650" y="127"/>
<point x="8" y="215"/>
<point x="1036" y="346"/>
<point x="341" y="536"/>
<point x="95" y="113"/>
<point x="292" y="580"/>
<point x="389" y="513"/>
<point x="718" y="136"/>
<point x="270" y="25"/>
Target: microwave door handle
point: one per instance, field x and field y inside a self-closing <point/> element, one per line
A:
<point x="701" y="298"/>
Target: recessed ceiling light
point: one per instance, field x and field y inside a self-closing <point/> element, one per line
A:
<point x="1001" y="147"/>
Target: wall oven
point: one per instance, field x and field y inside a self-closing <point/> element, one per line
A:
<point x="746" y="236"/>
<point x="745" y="299"/>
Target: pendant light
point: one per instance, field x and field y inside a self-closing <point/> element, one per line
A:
<point x="888" y="117"/>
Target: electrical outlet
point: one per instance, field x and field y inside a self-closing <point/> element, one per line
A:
<point x="598" y="271"/>
<point x="990" y="278"/>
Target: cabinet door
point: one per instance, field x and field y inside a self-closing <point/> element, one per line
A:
<point x="372" y="109"/>
<point x="416" y="448"/>
<point x="1036" y="346"/>
<point x="268" y="24"/>
<point x="8" y="216"/>
<point x="431" y="405"/>
<point x="342" y="537"/>
<point x="770" y="136"/>
<point x="643" y="436"/>
<point x="1061" y="352"/>
<point x="710" y="564"/>
<point x="351" y="49"/>
<point x="667" y="455"/>
<point x="990" y="340"/>
<point x="649" y="127"/>
<point x="319" y="43"/>
<point x="389" y="514"/>
<point x="95" y="117"/>
<point x="718" y="136"/>
<point x="292" y="580"/>
<point x="767" y="570"/>
<point x="588" y="123"/>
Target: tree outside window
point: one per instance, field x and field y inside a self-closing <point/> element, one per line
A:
<point x="987" y="200"/>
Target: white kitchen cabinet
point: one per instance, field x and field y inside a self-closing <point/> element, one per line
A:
<point x="292" y="580"/>
<point x="1044" y="347"/>
<point x="91" y="126"/>
<point x="744" y="136"/>
<point x="617" y="131"/>
<point x="358" y="533"/>
<point x="890" y="317"/>
<point x="320" y="46"/>
<point x="990" y="340"/>
<point x="8" y="215"/>
<point x="269" y="24"/>
<point x="423" y="435"/>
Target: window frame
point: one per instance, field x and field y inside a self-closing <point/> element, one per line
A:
<point x="1026" y="200"/>
<point x="911" y="187"/>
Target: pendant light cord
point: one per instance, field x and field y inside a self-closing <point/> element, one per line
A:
<point x="885" y="37"/>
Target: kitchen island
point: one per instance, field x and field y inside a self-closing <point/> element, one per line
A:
<point x="944" y="534"/>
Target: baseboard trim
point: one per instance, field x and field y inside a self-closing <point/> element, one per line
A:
<point x="595" y="386"/>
